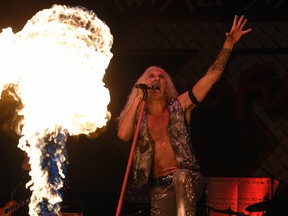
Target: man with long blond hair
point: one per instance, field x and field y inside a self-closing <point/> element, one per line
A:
<point x="163" y="155"/>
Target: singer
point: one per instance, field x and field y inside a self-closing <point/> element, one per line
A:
<point x="163" y="156"/>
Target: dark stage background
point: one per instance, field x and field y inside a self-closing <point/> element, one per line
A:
<point x="237" y="131"/>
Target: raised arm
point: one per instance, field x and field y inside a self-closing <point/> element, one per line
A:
<point x="214" y="72"/>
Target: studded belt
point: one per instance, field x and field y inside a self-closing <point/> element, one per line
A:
<point x="165" y="180"/>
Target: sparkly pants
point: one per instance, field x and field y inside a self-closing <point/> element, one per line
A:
<point x="180" y="197"/>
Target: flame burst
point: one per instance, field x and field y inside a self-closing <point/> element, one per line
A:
<point x="56" y="64"/>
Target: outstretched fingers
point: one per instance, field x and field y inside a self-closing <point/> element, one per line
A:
<point x="243" y="24"/>
<point x="239" y="23"/>
<point x="246" y="31"/>
<point x="235" y="20"/>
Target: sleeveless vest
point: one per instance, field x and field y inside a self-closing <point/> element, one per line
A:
<point x="180" y="139"/>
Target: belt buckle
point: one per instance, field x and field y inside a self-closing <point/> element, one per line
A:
<point x="169" y="178"/>
<point x="166" y="180"/>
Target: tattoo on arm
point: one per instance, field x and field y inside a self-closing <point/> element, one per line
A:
<point x="221" y="59"/>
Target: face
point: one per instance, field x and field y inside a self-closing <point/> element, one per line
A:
<point x="157" y="77"/>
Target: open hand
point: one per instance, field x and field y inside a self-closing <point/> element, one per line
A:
<point x="237" y="31"/>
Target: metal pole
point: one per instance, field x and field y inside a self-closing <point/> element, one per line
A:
<point x="145" y="92"/>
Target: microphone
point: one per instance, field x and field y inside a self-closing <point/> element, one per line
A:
<point x="146" y="87"/>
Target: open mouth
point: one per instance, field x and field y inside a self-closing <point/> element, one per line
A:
<point x="156" y="87"/>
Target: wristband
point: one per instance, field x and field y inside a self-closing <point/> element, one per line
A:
<point x="193" y="98"/>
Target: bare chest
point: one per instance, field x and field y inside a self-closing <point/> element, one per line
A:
<point x="164" y="158"/>
<point x="158" y="126"/>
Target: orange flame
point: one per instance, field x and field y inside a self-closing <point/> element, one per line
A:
<point x="57" y="63"/>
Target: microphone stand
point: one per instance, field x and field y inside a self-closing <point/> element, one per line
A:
<point x="145" y="94"/>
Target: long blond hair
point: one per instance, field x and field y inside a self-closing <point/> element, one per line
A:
<point x="171" y="91"/>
